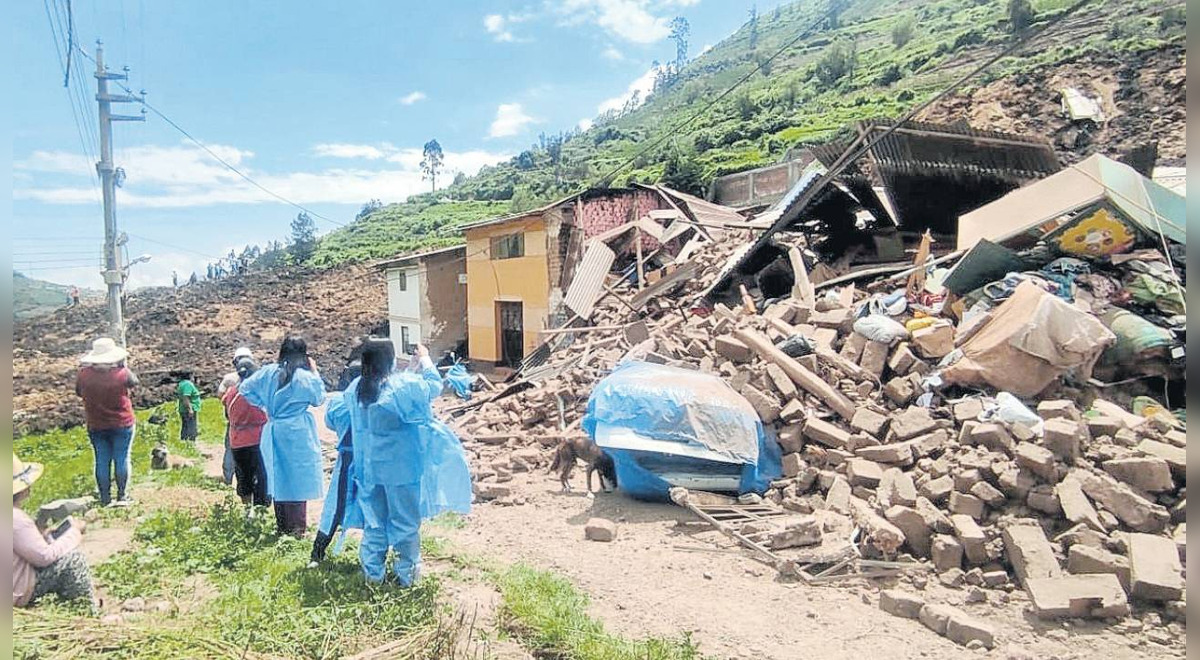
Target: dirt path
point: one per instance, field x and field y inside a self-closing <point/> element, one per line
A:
<point x="643" y="584"/>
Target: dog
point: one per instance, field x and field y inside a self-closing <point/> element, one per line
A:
<point x="587" y="451"/>
<point x="161" y="459"/>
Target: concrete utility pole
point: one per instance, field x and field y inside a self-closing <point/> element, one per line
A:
<point x="114" y="277"/>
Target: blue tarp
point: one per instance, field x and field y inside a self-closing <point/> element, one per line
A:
<point x="666" y="426"/>
<point x="459" y="380"/>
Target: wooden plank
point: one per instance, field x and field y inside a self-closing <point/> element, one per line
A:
<point x="806" y="379"/>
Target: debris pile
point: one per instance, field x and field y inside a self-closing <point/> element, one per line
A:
<point x="950" y="416"/>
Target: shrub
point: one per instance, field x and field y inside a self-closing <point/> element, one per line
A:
<point x="836" y="63"/>
<point x="903" y="30"/>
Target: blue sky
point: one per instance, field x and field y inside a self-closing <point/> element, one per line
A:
<point x="326" y="104"/>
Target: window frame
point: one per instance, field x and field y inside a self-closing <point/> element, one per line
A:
<point x="507" y="246"/>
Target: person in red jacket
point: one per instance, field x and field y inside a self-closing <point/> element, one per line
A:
<point x="245" y="430"/>
<point x="104" y="383"/>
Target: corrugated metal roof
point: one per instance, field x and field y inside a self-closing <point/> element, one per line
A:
<point x="589" y="278"/>
<point x="399" y="261"/>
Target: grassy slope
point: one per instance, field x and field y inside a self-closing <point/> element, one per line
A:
<point x="777" y="109"/>
<point x="33" y="297"/>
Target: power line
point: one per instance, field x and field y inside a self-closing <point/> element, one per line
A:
<point x="176" y="247"/>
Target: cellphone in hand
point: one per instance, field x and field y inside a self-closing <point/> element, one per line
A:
<point x="61" y="529"/>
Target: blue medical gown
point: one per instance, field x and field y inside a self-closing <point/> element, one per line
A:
<point x="341" y="508"/>
<point x="291" y="450"/>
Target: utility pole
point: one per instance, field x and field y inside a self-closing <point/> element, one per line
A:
<point x="114" y="277"/>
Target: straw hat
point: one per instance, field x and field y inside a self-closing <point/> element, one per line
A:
<point x="24" y="474"/>
<point x="242" y="352"/>
<point x="104" y="351"/>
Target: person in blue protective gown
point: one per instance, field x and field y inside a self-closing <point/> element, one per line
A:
<point x="341" y="502"/>
<point x="291" y="450"/>
<point x="406" y="465"/>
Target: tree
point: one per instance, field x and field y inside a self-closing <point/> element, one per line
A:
<point x="1020" y="16"/>
<point x="902" y="31"/>
<point x="554" y="145"/>
<point x="680" y="31"/>
<point x="431" y="163"/>
<point x="304" y="237"/>
<point x="460" y="178"/>
<point x="745" y="106"/>
<point x="837" y="61"/>
<point x="684" y="174"/>
<point x="368" y="208"/>
<point x="753" y="26"/>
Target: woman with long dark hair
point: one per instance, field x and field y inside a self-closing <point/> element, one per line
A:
<point x="406" y="465"/>
<point x="290" y="448"/>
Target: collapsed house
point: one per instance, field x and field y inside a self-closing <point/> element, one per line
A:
<point x="953" y="413"/>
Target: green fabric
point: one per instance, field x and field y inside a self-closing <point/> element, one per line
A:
<point x="187" y="391"/>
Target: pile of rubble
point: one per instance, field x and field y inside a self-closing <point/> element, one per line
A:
<point x="896" y="435"/>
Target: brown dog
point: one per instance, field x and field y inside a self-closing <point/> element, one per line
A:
<point x="595" y="459"/>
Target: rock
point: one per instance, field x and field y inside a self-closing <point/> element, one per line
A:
<point x="874" y="358"/>
<point x="968" y="631"/>
<point x="911" y="422"/>
<point x="781" y="381"/>
<point x="1058" y="409"/>
<point x="989" y="494"/>
<point x="1150" y="474"/>
<point x="135" y="604"/>
<point x="897" y="453"/>
<point x="862" y="472"/>
<point x="935" y="617"/>
<point x="803" y="531"/>
<point x="491" y="491"/>
<point x="766" y="405"/>
<point x="1029" y="553"/>
<point x="913" y="525"/>
<point x="733" y="349"/>
<point x="902" y="390"/>
<point x="793" y="464"/>
<point x="1062" y="437"/>
<point x="946" y="552"/>
<point x="967" y="409"/>
<point x="60" y="510"/>
<point x="1132" y="509"/>
<point x="972" y="539"/>
<point x="991" y="435"/>
<point x="1037" y="460"/>
<point x="900" y="603"/>
<point x="1042" y="498"/>
<point x="1176" y="457"/>
<point x="1096" y="596"/>
<point x="600" y="529"/>
<point x="826" y="433"/>
<point x="1099" y="425"/>
<point x="838" y="497"/>
<point x="1016" y="482"/>
<point x="902" y="359"/>
<point x="1154" y="569"/>
<point x="1089" y="560"/>
<point x="1075" y="505"/>
<point x="938" y="489"/>
<point x="869" y="421"/>
<point x="897" y="487"/>
<point x="961" y="503"/>
<point x="934" y="342"/>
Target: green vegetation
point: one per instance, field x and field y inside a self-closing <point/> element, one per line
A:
<point x="875" y="59"/>
<point x="265" y="598"/>
<point x="70" y="467"/>
<point x="33" y="297"/>
<point x="550" y="618"/>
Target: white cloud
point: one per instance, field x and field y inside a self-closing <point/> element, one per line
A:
<point x="412" y="97"/>
<point x="497" y="26"/>
<point x="642" y="87"/>
<point x="585" y="123"/>
<point x="510" y="120"/>
<point x="184" y="176"/>
<point x="630" y="20"/>
<point x="611" y="53"/>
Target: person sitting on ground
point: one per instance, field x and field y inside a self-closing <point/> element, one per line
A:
<point x="407" y="466"/>
<point x="245" y="432"/>
<point x="228" y="380"/>
<point x="104" y="383"/>
<point x="291" y="450"/>
<point x="49" y="563"/>
<point x="188" y="396"/>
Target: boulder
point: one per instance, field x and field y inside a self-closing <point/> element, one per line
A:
<point x="600" y="529"/>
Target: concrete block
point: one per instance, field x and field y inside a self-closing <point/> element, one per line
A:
<point x="862" y="472"/>
<point x="936" y="617"/>
<point x="766" y="405"/>
<point x="1076" y="507"/>
<point x="934" y="342"/>
<point x="1016" y="482"/>
<point x="791" y="439"/>
<point x="1089" y="560"/>
<point x="938" y="489"/>
<point x="1037" y="460"/>
<point x="869" y="421"/>
<point x="838" y="496"/>
<point x="1077" y="596"/>
<point x="917" y="532"/>
<point x="1062" y="437"/>
<point x="912" y="422"/>
<point x="1150" y="474"/>
<point x="800" y="532"/>
<point x="874" y="358"/>
<point x="1137" y="512"/>
<point x="989" y="494"/>
<point x="1154" y="569"/>
<point x="732" y="349"/>
<point x="902" y="359"/>
<point x="964" y="629"/>
<point x="781" y="382"/>
<point x="897" y="453"/>
<point x="792" y="412"/>
<point x="992" y="436"/>
<point x="793" y="464"/>
<point x="970" y="535"/>
<point x="1058" y="409"/>
<point x="902" y="389"/>
<point x="1176" y="457"/>
<point x="852" y="348"/>
<point x="897" y="487"/>
<point x="961" y="503"/>
<point x="1042" y="498"/>
<point x="826" y="433"/>
<point x="967" y="410"/>
<point x="946" y="552"/>
<point x="1029" y="553"/>
<point x="900" y="603"/>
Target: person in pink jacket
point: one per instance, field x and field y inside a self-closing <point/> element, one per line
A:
<point x="45" y="563"/>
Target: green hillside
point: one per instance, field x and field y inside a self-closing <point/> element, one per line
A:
<point x="874" y="58"/>
<point x="36" y="297"/>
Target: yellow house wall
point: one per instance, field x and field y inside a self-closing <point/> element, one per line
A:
<point x="523" y="279"/>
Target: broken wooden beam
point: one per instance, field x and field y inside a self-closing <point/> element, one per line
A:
<point x="805" y="379"/>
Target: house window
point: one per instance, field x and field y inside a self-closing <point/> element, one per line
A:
<point x="402" y="280"/>
<point x="405" y="344"/>
<point x="508" y="247"/>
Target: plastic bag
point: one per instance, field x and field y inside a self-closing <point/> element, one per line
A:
<point x="1010" y="410"/>
<point x="797" y="346"/>
<point x="880" y="328"/>
<point x="460" y="380"/>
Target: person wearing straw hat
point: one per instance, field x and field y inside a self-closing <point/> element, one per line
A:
<point x="104" y="384"/>
<point x="45" y="563"/>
